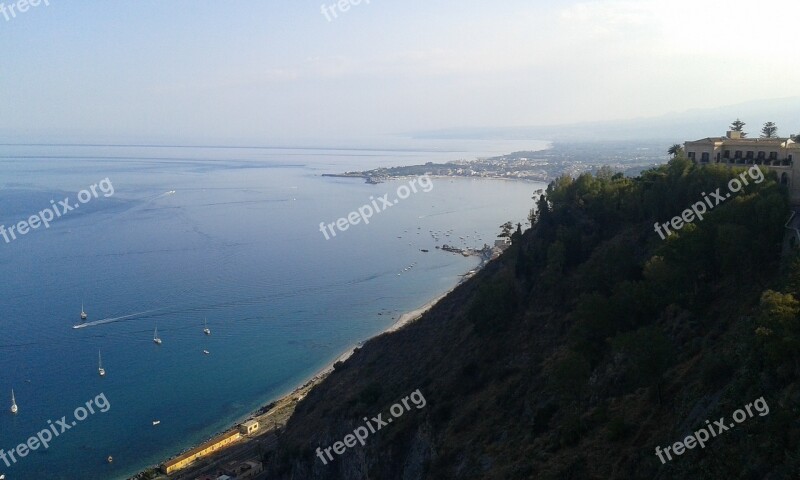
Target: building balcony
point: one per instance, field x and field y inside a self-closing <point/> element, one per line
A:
<point x="750" y="161"/>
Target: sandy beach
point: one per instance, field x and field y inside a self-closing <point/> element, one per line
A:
<point x="274" y="415"/>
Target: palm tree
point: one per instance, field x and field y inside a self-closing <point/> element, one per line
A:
<point x="675" y="150"/>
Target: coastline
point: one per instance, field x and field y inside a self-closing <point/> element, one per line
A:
<point x="274" y="415"/>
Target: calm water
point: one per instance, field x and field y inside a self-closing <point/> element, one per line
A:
<point x="238" y="243"/>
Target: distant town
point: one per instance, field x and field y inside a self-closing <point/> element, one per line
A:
<point x="630" y="158"/>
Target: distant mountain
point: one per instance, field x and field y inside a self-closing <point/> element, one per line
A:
<point x="675" y="127"/>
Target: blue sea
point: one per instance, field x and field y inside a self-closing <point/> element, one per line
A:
<point x="226" y="235"/>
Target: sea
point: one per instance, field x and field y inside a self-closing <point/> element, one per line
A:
<point x="177" y="238"/>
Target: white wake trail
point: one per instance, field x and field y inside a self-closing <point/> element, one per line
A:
<point x="112" y="320"/>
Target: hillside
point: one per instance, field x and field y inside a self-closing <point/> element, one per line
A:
<point x="588" y="344"/>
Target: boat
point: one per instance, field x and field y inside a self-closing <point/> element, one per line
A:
<point x="156" y="340"/>
<point x="206" y="352"/>
<point x="205" y="327"/>
<point x="156" y="422"/>
<point x="100" y="369"/>
<point x="83" y="313"/>
<point x="110" y="459"/>
<point x="14" y="408"/>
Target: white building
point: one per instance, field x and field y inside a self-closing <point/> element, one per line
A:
<point x="778" y="154"/>
<point x="249" y="427"/>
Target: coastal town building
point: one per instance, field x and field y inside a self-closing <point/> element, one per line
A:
<point x="243" y="470"/>
<point x="502" y="243"/>
<point x="249" y="427"/>
<point x="209" y="447"/>
<point x="778" y="154"/>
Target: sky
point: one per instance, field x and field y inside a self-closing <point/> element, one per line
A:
<point x="274" y="72"/>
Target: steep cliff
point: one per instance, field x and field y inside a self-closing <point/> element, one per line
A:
<point x="586" y="345"/>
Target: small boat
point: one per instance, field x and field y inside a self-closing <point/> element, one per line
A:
<point x="156" y="340"/>
<point x="83" y="313"/>
<point x="14" y="408"/>
<point x="205" y="327"/>
<point x="424" y="251"/>
<point x="206" y="352"/>
<point x="100" y="369"/>
<point x="110" y="459"/>
<point x="156" y="422"/>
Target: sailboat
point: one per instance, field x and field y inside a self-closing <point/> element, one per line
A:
<point x="83" y="313"/>
<point x="205" y="329"/>
<point x="100" y="369"/>
<point x="14" y="408"/>
<point x="155" y="336"/>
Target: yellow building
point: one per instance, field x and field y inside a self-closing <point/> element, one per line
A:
<point x="211" y="446"/>
<point x="778" y="154"/>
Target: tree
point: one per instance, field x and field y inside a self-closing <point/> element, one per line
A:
<point x="778" y="326"/>
<point x="649" y="354"/>
<point x="769" y="130"/>
<point x="541" y="211"/>
<point x="675" y="150"/>
<point x="796" y="138"/>
<point x="738" y="126"/>
<point x="506" y="227"/>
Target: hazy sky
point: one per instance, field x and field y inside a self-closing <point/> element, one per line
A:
<point x="271" y="71"/>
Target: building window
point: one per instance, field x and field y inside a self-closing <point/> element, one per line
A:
<point x="738" y="154"/>
<point x="784" y="178"/>
<point x="750" y="154"/>
<point x="691" y="155"/>
<point x="704" y="157"/>
<point x="726" y="154"/>
<point x="773" y="155"/>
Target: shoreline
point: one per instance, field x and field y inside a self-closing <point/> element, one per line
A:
<point x="283" y="406"/>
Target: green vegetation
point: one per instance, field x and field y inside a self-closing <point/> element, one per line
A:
<point x="769" y="130"/>
<point x="589" y="342"/>
<point x="675" y="150"/>
<point x="738" y="126"/>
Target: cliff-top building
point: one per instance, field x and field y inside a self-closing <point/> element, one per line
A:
<point x="776" y="153"/>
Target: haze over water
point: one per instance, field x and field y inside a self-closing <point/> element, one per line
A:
<point x="238" y="243"/>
